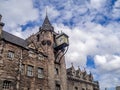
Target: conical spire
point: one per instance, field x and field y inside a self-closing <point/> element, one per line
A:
<point x="47" y="25"/>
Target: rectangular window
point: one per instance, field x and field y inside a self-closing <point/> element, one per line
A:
<point x="1" y="51"/>
<point x="83" y="89"/>
<point x="10" y="54"/>
<point x="30" y="70"/>
<point x="56" y="71"/>
<point x="31" y="53"/>
<point x="6" y="85"/>
<point x="40" y="57"/>
<point x="57" y="87"/>
<point x="76" y="88"/>
<point x="40" y="73"/>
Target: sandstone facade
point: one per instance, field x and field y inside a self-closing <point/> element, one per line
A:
<point x="35" y="64"/>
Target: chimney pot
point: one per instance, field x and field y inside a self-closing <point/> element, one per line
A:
<point x="0" y="17"/>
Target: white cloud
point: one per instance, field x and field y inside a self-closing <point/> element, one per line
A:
<point x="86" y="37"/>
<point x="95" y="40"/>
<point x="16" y="13"/>
<point x="50" y="11"/>
<point x="97" y="4"/>
<point x="108" y="66"/>
<point x="116" y="10"/>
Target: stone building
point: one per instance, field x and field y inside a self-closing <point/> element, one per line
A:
<point x="80" y="80"/>
<point x="38" y="62"/>
<point x="118" y="88"/>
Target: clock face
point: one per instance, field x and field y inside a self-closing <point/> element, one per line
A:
<point x="61" y="40"/>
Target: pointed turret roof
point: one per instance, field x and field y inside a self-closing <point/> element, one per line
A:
<point x="47" y="25"/>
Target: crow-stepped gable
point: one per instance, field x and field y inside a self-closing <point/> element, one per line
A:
<point x="38" y="63"/>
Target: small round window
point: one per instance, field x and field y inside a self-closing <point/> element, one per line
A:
<point x="44" y="42"/>
<point x="48" y="42"/>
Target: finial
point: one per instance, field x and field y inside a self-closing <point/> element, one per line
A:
<point x="90" y="73"/>
<point x="46" y="24"/>
<point x="61" y="31"/>
<point x="84" y="68"/>
<point x="72" y="64"/>
<point x="46" y="12"/>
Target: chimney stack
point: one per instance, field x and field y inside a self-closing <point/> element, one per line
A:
<point x="1" y="23"/>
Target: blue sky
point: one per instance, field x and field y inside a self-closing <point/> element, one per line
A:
<point x="92" y="25"/>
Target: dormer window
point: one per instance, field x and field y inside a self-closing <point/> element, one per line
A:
<point x="10" y="54"/>
<point x="40" y="57"/>
<point x="31" y="53"/>
<point x="73" y="72"/>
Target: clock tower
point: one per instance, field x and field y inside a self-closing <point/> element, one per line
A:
<point x="52" y="45"/>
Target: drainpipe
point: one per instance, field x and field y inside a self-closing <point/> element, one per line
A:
<point x="19" y="72"/>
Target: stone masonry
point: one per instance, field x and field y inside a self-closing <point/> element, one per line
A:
<point x="35" y="64"/>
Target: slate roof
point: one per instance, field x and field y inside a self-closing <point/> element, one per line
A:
<point x="19" y="41"/>
<point x="47" y="25"/>
<point x="14" y="39"/>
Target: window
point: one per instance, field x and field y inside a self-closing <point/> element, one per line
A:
<point x="30" y="70"/>
<point x="38" y="37"/>
<point x="56" y="71"/>
<point x="6" y="85"/>
<point x="40" y="73"/>
<point x="10" y="54"/>
<point x="1" y="50"/>
<point x="57" y="87"/>
<point x="31" y="53"/>
<point x="40" y="57"/>
<point x="83" y="89"/>
<point x="76" y="88"/>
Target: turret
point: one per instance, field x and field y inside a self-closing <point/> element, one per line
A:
<point x="47" y="25"/>
<point x="46" y="36"/>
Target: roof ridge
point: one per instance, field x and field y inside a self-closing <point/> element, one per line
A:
<point x="13" y="35"/>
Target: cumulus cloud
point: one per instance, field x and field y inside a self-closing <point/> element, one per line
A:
<point x="109" y="67"/>
<point x="97" y="4"/>
<point x="98" y="41"/>
<point x="107" y="63"/>
<point x="116" y="10"/>
<point x="92" y="27"/>
<point x="16" y="13"/>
